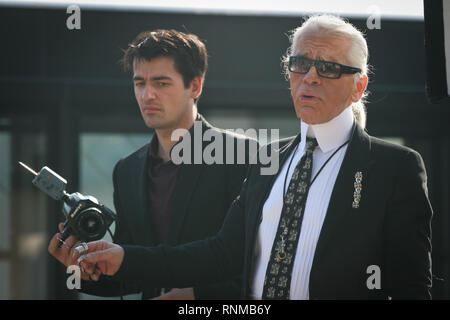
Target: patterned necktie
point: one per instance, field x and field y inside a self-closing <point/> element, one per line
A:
<point x="277" y="282"/>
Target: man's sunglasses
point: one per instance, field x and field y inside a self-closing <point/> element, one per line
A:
<point x="325" y="69"/>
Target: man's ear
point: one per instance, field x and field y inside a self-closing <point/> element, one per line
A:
<point x="196" y="87"/>
<point x="360" y="87"/>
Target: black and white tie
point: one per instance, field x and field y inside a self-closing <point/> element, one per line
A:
<point x="277" y="282"/>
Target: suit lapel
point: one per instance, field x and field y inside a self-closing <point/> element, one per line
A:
<point x="357" y="158"/>
<point x="145" y="235"/>
<point x="265" y="184"/>
<point x="187" y="183"/>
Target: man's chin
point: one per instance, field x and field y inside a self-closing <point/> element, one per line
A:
<point x="307" y="115"/>
<point x="154" y="124"/>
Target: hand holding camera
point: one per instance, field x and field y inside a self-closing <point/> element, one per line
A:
<point x="86" y="218"/>
<point x="102" y="257"/>
<point x="64" y="252"/>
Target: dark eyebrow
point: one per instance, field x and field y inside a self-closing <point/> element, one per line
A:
<point x="157" y="78"/>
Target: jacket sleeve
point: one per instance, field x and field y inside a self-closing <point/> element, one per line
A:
<point x="193" y="264"/>
<point x="408" y="233"/>
<point x="231" y="289"/>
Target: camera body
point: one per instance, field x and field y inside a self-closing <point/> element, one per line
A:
<point x="86" y="218"/>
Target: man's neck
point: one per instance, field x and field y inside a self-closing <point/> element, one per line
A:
<point x="165" y="142"/>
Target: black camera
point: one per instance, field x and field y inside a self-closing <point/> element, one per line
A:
<point x="86" y="218"/>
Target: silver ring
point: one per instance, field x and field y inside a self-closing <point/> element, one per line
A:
<point x="81" y="258"/>
<point x="83" y="248"/>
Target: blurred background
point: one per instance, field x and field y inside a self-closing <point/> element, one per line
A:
<point x="65" y="103"/>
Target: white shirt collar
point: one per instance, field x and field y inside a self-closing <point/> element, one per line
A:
<point x="331" y="134"/>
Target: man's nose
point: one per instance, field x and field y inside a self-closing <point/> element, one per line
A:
<point x="312" y="77"/>
<point x="148" y="93"/>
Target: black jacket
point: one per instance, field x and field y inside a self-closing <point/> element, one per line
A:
<point x="199" y="204"/>
<point x="391" y="229"/>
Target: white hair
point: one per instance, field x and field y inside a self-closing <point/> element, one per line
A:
<point x="357" y="57"/>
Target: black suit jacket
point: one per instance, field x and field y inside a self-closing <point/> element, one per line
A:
<point x="199" y="204"/>
<point x="391" y="229"/>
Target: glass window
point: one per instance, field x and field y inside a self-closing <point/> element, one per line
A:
<point x="99" y="152"/>
<point x="396" y="140"/>
<point x="5" y="189"/>
<point x="4" y="280"/>
<point x="5" y="211"/>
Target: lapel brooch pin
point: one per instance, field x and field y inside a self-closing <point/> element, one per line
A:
<point x="358" y="188"/>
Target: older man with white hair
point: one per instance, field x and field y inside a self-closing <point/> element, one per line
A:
<point x="346" y="216"/>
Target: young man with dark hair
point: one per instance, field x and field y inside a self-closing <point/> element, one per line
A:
<point x="158" y="201"/>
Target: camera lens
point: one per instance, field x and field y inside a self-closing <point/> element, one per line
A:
<point x="90" y="224"/>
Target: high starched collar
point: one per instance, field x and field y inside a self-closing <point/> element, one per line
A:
<point x="331" y="134"/>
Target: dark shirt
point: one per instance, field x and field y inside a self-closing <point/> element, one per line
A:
<point x="162" y="180"/>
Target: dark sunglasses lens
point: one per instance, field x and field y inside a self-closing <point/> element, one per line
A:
<point x="300" y="65"/>
<point x="324" y="68"/>
<point x="328" y="69"/>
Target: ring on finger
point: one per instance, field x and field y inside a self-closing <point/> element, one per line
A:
<point x="82" y="249"/>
